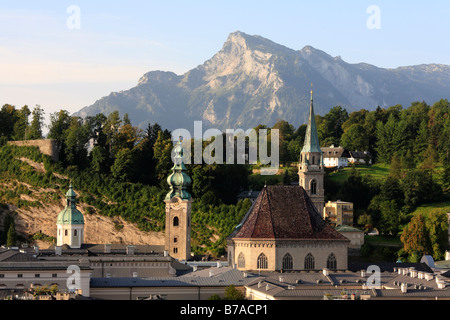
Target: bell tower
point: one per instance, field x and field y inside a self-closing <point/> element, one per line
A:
<point x="178" y="209"/>
<point x="70" y="223"/>
<point x="311" y="168"/>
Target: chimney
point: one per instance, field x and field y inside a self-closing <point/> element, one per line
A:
<point x="420" y="275"/>
<point x="404" y="287"/>
<point x="259" y="284"/>
<point x="194" y="268"/>
<point x="267" y="287"/>
<point x="166" y="253"/>
<point x="58" y="250"/>
<point x="36" y="250"/>
<point x="281" y="279"/>
<point x="107" y="248"/>
<point x="363" y="273"/>
<point x="130" y="250"/>
<point x="218" y="264"/>
<point x="428" y="276"/>
<point x="441" y="284"/>
<point x="413" y="273"/>
<point x="326" y="272"/>
<point x="211" y="273"/>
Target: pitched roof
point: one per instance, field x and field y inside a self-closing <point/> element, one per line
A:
<point x="285" y="213"/>
<point x="360" y="154"/>
<point x="335" y="153"/>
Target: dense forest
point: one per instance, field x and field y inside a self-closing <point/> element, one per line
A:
<point x="120" y="170"/>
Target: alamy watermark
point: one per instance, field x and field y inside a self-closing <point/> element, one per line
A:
<point x="73" y="22"/>
<point x="240" y="146"/>
<point x="374" y="20"/>
<point x="74" y="280"/>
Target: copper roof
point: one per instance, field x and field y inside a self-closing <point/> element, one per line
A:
<point x="285" y="213"/>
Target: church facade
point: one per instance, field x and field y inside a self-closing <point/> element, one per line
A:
<point x="284" y="232"/>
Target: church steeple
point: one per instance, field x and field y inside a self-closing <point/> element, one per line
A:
<point x="311" y="169"/>
<point x="178" y="209"/>
<point x="70" y="222"/>
<point x="311" y="143"/>
<point x="179" y="181"/>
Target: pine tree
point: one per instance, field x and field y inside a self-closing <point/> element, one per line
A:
<point x="11" y="236"/>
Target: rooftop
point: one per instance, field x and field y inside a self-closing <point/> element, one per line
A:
<point x="285" y="213"/>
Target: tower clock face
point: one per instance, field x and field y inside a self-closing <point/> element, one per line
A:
<point x="176" y="202"/>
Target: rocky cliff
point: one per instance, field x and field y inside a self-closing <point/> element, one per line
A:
<point x="253" y="80"/>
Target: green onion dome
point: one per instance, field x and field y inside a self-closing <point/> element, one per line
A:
<point x="179" y="181"/>
<point x="70" y="214"/>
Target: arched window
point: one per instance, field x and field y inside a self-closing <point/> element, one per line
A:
<point x="314" y="187"/>
<point x="262" y="261"/>
<point x="241" y="260"/>
<point x="331" y="262"/>
<point x="176" y="222"/>
<point x="287" y="262"/>
<point x="313" y="160"/>
<point x="309" y="262"/>
<point x="65" y="232"/>
<point x="75" y="233"/>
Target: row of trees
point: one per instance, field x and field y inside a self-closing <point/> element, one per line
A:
<point x="15" y="123"/>
<point x="418" y="133"/>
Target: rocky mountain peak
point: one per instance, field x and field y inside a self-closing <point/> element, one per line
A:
<point x="253" y="80"/>
<point x="158" y="76"/>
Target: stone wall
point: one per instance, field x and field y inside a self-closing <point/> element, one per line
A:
<point x="46" y="146"/>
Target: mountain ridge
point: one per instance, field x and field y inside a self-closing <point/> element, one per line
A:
<point x="253" y="80"/>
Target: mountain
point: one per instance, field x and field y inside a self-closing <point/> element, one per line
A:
<point x="253" y="80"/>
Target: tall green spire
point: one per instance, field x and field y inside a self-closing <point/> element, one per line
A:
<point x="179" y="181"/>
<point x="311" y="143"/>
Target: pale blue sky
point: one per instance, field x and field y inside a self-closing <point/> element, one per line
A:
<point x="44" y="62"/>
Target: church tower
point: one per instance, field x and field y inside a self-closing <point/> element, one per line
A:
<point x="178" y="209"/>
<point x="311" y="168"/>
<point x="70" y="223"/>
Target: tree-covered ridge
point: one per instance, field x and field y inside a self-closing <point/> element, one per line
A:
<point x="121" y="170"/>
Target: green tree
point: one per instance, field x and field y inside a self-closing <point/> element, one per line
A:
<point x="330" y="129"/>
<point x="22" y="123"/>
<point x="231" y="293"/>
<point x="11" y="236"/>
<point x="8" y="117"/>
<point x="77" y="137"/>
<point x="122" y="165"/>
<point x="419" y="188"/>
<point x="355" y="138"/>
<point x="414" y="238"/>
<point x="162" y="153"/>
<point x="395" y="169"/>
<point x="421" y="142"/>
<point x="437" y="230"/>
<point x="100" y="159"/>
<point x="58" y="129"/>
<point x="37" y="123"/>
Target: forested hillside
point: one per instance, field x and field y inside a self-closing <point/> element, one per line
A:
<point x="118" y="169"/>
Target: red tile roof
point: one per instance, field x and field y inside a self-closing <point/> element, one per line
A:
<point x="285" y="213"/>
